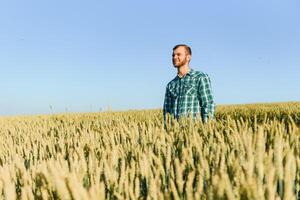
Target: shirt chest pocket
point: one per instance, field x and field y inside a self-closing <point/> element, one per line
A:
<point x="173" y="93"/>
<point x="190" y="89"/>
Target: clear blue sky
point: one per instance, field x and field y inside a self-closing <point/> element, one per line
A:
<point x="82" y="56"/>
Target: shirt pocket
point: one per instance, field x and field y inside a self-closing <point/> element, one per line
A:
<point x="173" y="93"/>
<point x="190" y="89"/>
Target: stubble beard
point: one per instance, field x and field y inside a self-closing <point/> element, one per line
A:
<point x="180" y="64"/>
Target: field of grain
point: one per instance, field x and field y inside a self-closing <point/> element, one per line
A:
<point x="246" y="152"/>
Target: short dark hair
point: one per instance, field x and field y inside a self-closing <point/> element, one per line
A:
<point x="187" y="48"/>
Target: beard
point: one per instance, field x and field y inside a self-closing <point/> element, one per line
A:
<point x="178" y="64"/>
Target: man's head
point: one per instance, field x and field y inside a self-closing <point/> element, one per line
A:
<point x="182" y="55"/>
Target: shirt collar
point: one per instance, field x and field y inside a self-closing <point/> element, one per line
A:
<point x="190" y="73"/>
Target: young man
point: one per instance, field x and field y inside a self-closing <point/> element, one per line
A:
<point x="189" y="93"/>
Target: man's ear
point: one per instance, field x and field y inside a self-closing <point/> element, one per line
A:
<point x="189" y="57"/>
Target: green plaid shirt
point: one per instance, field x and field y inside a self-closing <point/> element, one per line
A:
<point x="189" y="95"/>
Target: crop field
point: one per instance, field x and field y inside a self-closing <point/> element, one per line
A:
<point x="246" y="152"/>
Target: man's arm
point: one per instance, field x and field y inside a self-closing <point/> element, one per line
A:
<point x="167" y="104"/>
<point x="206" y="98"/>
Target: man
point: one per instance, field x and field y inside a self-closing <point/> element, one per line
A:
<point x="189" y="93"/>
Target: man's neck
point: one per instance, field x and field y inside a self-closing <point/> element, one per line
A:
<point x="183" y="70"/>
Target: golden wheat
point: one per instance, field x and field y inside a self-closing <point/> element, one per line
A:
<point x="247" y="152"/>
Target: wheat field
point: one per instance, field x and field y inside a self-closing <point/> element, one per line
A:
<point x="246" y="152"/>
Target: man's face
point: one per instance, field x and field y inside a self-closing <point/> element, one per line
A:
<point x="180" y="57"/>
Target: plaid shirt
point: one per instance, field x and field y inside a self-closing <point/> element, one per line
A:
<point x="189" y="95"/>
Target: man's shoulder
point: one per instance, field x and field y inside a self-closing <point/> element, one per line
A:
<point x="172" y="82"/>
<point x="198" y="74"/>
